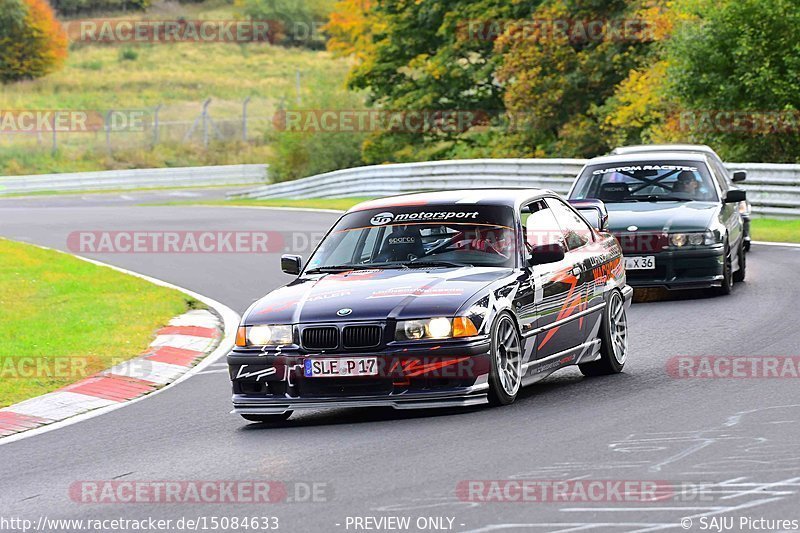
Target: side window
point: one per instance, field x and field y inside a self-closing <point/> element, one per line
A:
<point x="721" y="174"/>
<point x="576" y="232"/>
<point x="540" y="226"/>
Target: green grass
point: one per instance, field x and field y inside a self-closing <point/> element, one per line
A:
<point x="100" y="77"/>
<point x="773" y="230"/>
<point x="56" y="308"/>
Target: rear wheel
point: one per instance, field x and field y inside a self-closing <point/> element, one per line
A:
<point x="727" y="274"/>
<point x="740" y="274"/>
<point x="265" y="419"/>
<point x="505" y="376"/>
<point x="613" y="339"/>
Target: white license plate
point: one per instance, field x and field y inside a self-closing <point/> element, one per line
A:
<point x="647" y="262"/>
<point x="341" y="367"/>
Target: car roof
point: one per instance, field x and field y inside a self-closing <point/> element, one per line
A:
<point x="635" y="157"/>
<point x="511" y="197"/>
<point x="662" y="148"/>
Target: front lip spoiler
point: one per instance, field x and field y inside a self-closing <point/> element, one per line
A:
<point x="475" y="395"/>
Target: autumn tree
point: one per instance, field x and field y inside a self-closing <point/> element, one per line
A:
<point x="32" y="42"/>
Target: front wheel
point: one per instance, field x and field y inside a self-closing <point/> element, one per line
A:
<point x="740" y="274"/>
<point x="727" y="274"/>
<point x="505" y="376"/>
<point x="613" y="339"/>
<point x="267" y="419"/>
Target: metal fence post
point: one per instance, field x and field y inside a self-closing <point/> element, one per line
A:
<point x="55" y="137"/>
<point x="156" y="124"/>
<point x="244" y="119"/>
<point x="205" y="122"/>
<point x="108" y="130"/>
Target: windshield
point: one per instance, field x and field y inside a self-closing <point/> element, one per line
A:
<point x="419" y="236"/>
<point x="646" y="181"/>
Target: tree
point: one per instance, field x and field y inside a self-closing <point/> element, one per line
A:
<point x="423" y="56"/>
<point x="734" y="72"/>
<point x="565" y="70"/>
<point x="32" y="42"/>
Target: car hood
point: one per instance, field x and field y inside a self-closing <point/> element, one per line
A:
<point x="373" y="295"/>
<point x="661" y="216"/>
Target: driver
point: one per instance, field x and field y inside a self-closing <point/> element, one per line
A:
<point x="687" y="184"/>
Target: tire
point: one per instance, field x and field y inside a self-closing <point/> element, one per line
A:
<point x="727" y="274"/>
<point x="267" y="419"/>
<point x="613" y="339"/>
<point x="505" y="376"/>
<point x="747" y="246"/>
<point x="740" y="274"/>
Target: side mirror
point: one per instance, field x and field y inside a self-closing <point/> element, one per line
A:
<point x="291" y="264"/>
<point x="546" y="254"/>
<point x="735" y="196"/>
<point x="739" y="175"/>
<point x="594" y="211"/>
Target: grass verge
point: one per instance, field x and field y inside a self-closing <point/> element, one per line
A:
<point x="773" y="230"/>
<point x="65" y="319"/>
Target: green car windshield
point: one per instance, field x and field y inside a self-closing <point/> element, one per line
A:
<point x="679" y="181"/>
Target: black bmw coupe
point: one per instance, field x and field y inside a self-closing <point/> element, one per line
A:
<point x="436" y="299"/>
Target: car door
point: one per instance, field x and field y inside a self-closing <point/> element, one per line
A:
<point x="731" y="216"/>
<point x="574" y="316"/>
<point x="553" y="285"/>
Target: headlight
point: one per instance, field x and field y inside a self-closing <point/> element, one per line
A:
<point x="679" y="240"/>
<point x="276" y="335"/>
<point x="435" y="328"/>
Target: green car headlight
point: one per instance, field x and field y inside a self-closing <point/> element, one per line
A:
<point x="680" y="240"/>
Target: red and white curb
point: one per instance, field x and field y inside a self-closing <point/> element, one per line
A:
<point x="176" y="348"/>
<point x="176" y="353"/>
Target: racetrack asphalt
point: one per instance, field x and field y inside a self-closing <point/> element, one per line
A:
<point x="738" y="438"/>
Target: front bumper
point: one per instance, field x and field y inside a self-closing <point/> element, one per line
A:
<point x="694" y="268"/>
<point x="450" y="374"/>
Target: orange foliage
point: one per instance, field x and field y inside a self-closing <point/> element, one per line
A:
<point x="35" y="47"/>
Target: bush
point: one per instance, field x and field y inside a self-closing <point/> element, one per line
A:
<point x="81" y="7"/>
<point x="298" y="22"/>
<point x="32" y="42"/>
<point x="298" y="154"/>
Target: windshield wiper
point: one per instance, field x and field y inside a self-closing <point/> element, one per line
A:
<point x="337" y="268"/>
<point x="436" y="263"/>
<point x="658" y="198"/>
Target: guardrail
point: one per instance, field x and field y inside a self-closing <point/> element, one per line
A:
<point x="773" y="190"/>
<point x="135" y="179"/>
